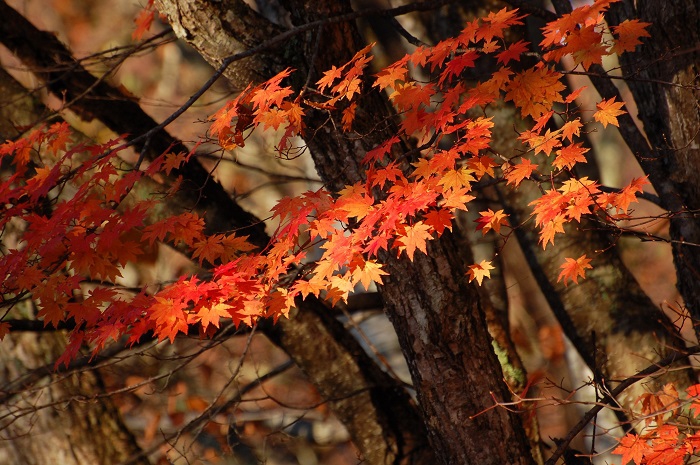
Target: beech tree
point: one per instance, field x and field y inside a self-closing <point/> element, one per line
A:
<point x="480" y="120"/>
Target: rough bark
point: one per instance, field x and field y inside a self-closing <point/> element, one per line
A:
<point x="60" y="421"/>
<point x="663" y="75"/>
<point x="354" y="386"/>
<point x="437" y="315"/>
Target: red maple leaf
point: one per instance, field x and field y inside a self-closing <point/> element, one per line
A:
<point x="439" y="220"/>
<point x="143" y="21"/>
<point x="513" y="52"/>
<point x="632" y="448"/>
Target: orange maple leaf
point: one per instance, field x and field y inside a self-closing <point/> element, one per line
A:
<point x="628" y="33"/>
<point x="494" y="24"/>
<point x="367" y="273"/>
<point x="571" y="129"/>
<point x="656" y="406"/>
<point x="355" y="201"/>
<point x="272" y="118"/>
<point x="481" y="165"/>
<point x="349" y="116"/>
<point x="516" y="173"/>
<point x="572" y="269"/>
<point x="535" y="91"/>
<point x="574" y="95"/>
<point x="329" y="77"/>
<point x="457" y="179"/>
<point x="212" y="314"/>
<point x="545" y="144"/>
<point x="628" y="195"/>
<point x="513" y="52"/>
<point x="58" y="136"/>
<point x="551" y="228"/>
<point x="411" y="95"/>
<point x="390" y="173"/>
<point x="457" y="198"/>
<point x="143" y="21"/>
<point x="270" y="93"/>
<point x="414" y="237"/>
<point x="479" y="271"/>
<point x="209" y="248"/>
<point x="173" y="161"/>
<point x="608" y="111"/>
<point x="568" y="156"/>
<point x="306" y="287"/>
<point x="392" y="73"/>
<point x="439" y="220"/>
<point x="586" y="47"/>
<point x="542" y="121"/>
<point x="456" y="65"/>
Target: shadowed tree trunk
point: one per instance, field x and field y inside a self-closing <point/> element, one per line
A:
<point x="438" y="316"/>
<point x="664" y="77"/>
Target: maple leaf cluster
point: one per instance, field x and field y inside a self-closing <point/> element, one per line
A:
<point x="661" y="442"/>
<point x="410" y="194"/>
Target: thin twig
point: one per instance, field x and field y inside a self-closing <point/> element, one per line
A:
<point x="650" y="370"/>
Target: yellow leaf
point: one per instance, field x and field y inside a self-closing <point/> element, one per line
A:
<point x="480" y="271"/>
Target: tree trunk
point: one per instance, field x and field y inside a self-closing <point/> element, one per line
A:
<point x="61" y="421"/>
<point x="620" y="331"/>
<point x="663" y="76"/>
<point x="397" y="434"/>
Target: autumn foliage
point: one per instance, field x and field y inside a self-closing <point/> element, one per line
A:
<point x="80" y="225"/>
<point x="663" y="440"/>
<point x="404" y="202"/>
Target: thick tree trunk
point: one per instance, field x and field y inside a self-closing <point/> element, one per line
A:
<point x="378" y="412"/>
<point x="436" y="313"/>
<point x="664" y="76"/>
<point x="61" y="421"/>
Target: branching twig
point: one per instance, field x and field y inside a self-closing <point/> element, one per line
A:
<point x="649" y="371"/>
